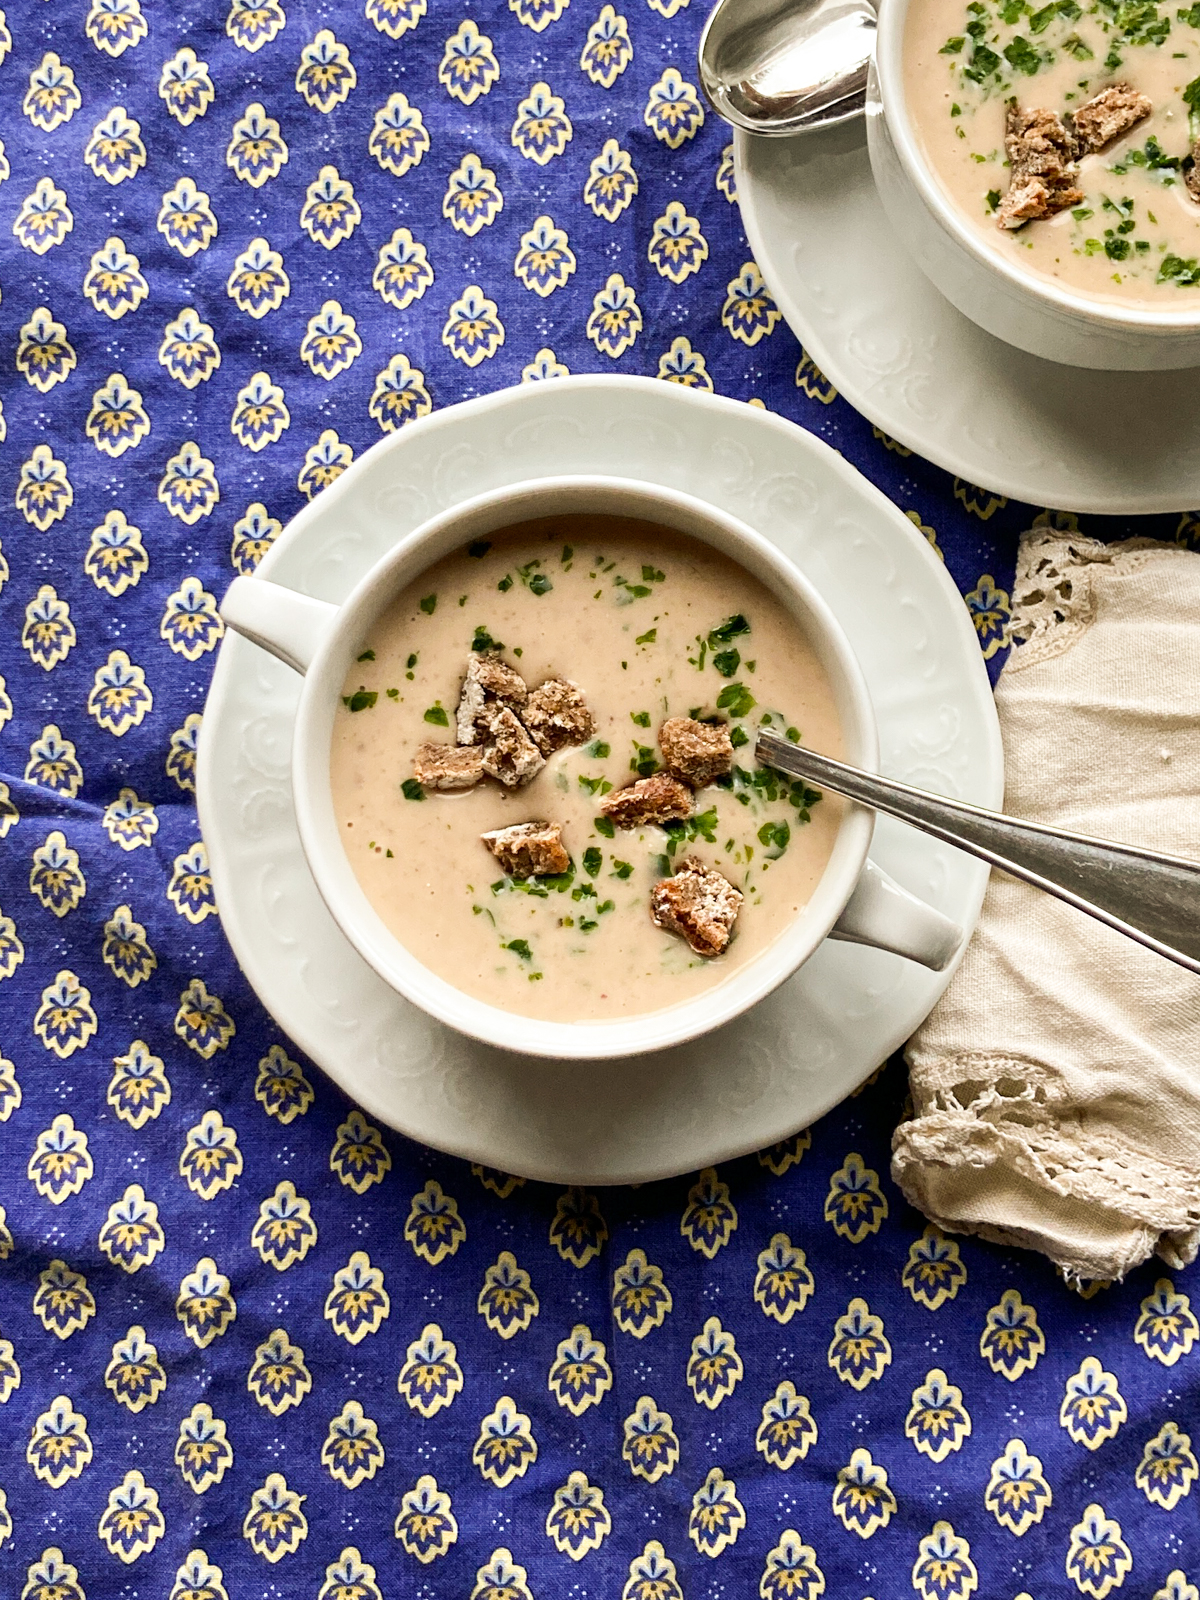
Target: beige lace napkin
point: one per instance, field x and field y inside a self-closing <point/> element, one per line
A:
<point x="1056" y="1087"/>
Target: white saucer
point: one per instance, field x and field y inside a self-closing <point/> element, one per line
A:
<point x="800" y="1051"/>
<point x="1113" y="443"/>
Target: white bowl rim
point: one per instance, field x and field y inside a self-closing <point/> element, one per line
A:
<point x="889" y="76"/>
<point x="399" y="967"/>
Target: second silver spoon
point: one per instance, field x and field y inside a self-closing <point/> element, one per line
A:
<point x="1152" y="898"/>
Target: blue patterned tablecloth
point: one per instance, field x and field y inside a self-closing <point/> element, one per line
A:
<point x="250" y="1345"/>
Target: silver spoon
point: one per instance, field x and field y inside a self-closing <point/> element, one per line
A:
<point x="781" y="66"/>
<point x="1152" y="898"/>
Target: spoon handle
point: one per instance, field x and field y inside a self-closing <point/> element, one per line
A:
<point x="1152" y="898"/>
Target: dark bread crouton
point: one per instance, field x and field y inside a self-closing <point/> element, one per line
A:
<point x="1109" y="114"/>
<point x="529" y="849"/>
<point x="1191" y="177"/>
<point x="1041" y="156"/>
<point x="510" y="754"/>
<point x="448" y="766"/>
<point x="698" y="903"/>
<point x="661" y="798"/>
<point x="696" y="752"/>
<point x="556" y="716"/>
<point x="489" y="685"/>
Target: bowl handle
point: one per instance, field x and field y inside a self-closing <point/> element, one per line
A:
<point x="288" y="624"/>
<point x="882" y="914"/>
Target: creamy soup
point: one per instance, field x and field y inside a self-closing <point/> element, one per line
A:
<point x="1133" y="233"/>
<point x="649" y="625"/>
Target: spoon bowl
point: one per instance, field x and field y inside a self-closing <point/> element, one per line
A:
<point x="779" y="67"/>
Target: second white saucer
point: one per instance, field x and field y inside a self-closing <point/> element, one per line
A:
<point x="1116" y="443"/>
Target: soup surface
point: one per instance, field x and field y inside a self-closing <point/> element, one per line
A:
<point x="649" y="624"/>
<point x="1133" y="235"/>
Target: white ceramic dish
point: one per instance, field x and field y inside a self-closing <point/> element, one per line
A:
<point x="799" y="1051"/>
<point x="928" y="377"/>
<point x="322" y="641"/>
<point x="1028" y="311"/>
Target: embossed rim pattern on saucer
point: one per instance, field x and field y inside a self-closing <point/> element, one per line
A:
<point x="796" y="1054"/>
<point x="1062" y="437"/>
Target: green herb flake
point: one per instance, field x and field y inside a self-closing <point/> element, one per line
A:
<point x="597" y="749"/>
<point x="775" y="835"/>
<point x="429" y="604"/>
<point x="437" y="715"/>
<point x="644" y="761"/>
<point x="593" y="860"/>
<point x="394" y="694"/>
<point x="738" y="737"/>
<point x="1021" y="55"/>
<point x="367" y="655"/>
<point x="737" y="700"/>
<point x="647" y="638"/>
<point x="519" y="947"/>
<point x="641" y="718"/>
<point x="483" y="641"/>
<point x="604" y="827"/>
<point x="725" y="632"/>
<point x="1082" y="213"/>
<point x="361" y="699"/>
<point x="567" y="554"/>
<point x="479" y="548"/>
<point x="992" y="198"/>
<point x="1079" y="48"/>
<point x="1177" y="269"/>
<point x="653" y="575"/>
<point x="727" y="662"/>
<point x="412" y="790"/>
<point x="412" y="661"/>
<point x="952" y="48"/>
<point x="621" y="869"/>
<point x="506" y="583"/>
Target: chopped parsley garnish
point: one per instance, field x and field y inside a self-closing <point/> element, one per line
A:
<point x="653" y="575"/>
<point x="727" y="662"/>
<point x="412" y="661"/>
<point x="775" y="835"/>
<point x="412" y="790"/>
<point x="647" y="638"/>
<point x="479" y="548"/>
<point x="361" y="699"/>
<point x="519" y="947"/>
<point x="993" y="199"/>
<point x="1154" y="157"/>
<point x="429" y="604"/>
<point x="536" y="582"/>
<point x="1079" y="48"/>
<point x="737" y="700"/>
<point x="604" y="827"/>
<point x="437" y="715"/>
<point x="598" y="749"/>
<point x="484" y="641"/>
<point x="621" y="869"/>
<point x="633" y="591"/>
<point x="593" y="860"/>
<point x="952" y="47"/>
<point x="643" y="762"/>
<point x="1021" y="55"/>
<point x="599" y="785"/>
<point x="642" y="718"/>
<point x="738" y="737"/>
<point x="725" y="632"/>
<point x="1191" y="16"/>
<point x="394" y="694"/>
<point x="367" y="655"/>
<point x="1175" y="269"/>
<point x="701" y="826"/>
<point x="506" y="583"/>
<point x="794" y="735"/>
<point x="1082" y="213"/>
<point x="567" y="553"/>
